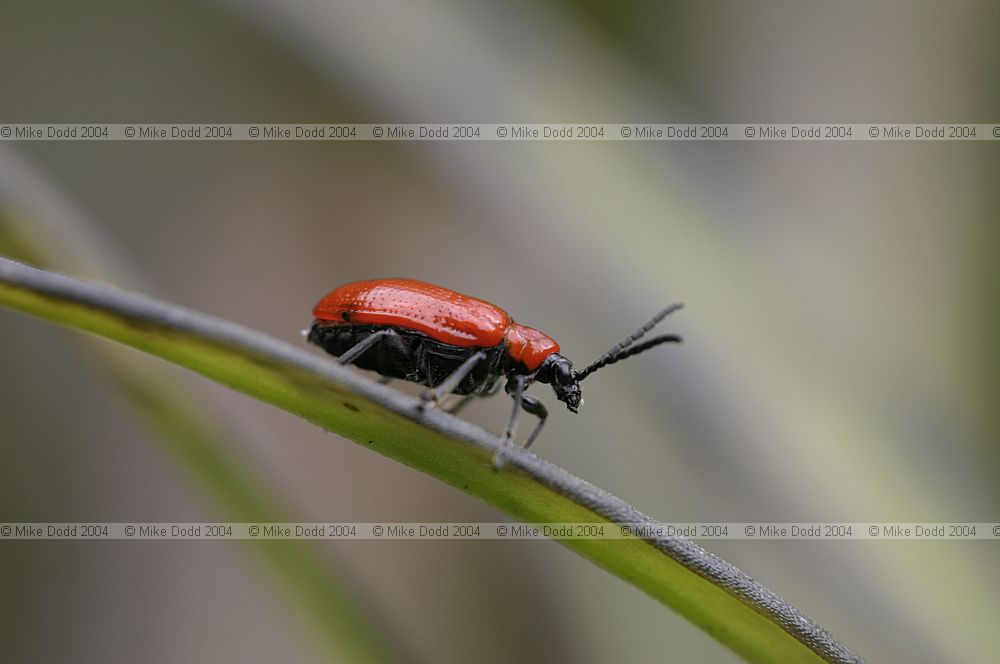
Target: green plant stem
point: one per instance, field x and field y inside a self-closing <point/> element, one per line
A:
<point x="189" y="434"/>
<point x="752" y="620"/>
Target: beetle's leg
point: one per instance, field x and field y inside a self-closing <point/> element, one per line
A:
<point x="538" y="409"/>
<point x="432" y="397"/>
<point x="462" y="402"/>
<point x="515" y="386"/>
<point x="355" y="351"/>
<point x="459" y="404"/>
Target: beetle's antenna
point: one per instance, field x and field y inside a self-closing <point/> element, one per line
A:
<point x="619" y="352"/>
<point x="644" y="346"/>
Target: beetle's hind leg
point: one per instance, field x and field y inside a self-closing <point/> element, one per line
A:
<point x="358" y="349"/>
<point x="393" y="351"/>
<point x="433" y="397"/>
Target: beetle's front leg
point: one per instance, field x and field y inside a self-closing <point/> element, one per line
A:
<point x="538" y="409"/>
<point x="515" y="387"/>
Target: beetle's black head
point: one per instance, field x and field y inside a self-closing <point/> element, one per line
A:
<point x="557" y="371"/>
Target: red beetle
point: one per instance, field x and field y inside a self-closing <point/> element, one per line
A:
<point x="453" y="343"/>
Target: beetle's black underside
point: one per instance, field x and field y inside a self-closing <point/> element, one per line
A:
<point x="412" y="356"/>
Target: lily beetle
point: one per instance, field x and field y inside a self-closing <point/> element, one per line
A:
<point x="456" y="344"/>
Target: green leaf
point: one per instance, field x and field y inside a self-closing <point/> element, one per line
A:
<point x="721" y="599"/>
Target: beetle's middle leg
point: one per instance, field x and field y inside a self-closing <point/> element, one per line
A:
<point x="461" y="402"/>
<point x="432" y="397"/>
<point x="456" y="406"/>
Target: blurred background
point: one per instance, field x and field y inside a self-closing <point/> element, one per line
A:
<point x="839" y="360"/>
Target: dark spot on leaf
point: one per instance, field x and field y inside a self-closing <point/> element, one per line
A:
<point x="351" y="407"/>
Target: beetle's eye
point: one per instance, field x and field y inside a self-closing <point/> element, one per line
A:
<point x="563" y="376"/>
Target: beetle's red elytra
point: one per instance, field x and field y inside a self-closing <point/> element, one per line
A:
<point x="456" y="344"/>
<point x="440" y="313"/>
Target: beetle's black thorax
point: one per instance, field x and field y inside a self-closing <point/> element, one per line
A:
<point x="413" y="356"/>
